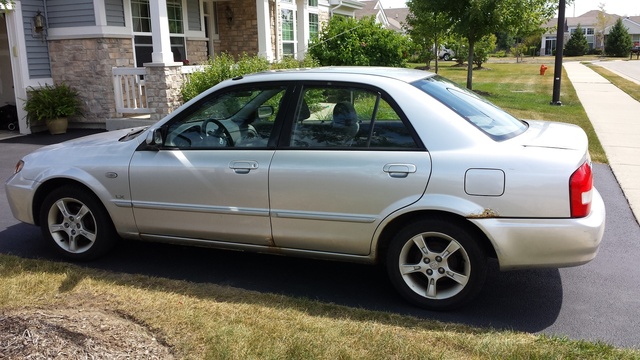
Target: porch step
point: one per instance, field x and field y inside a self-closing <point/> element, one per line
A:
<point x="125" y="123"/>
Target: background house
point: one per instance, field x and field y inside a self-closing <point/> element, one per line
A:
<point x="392" y="19"/>
<point x="80" y="42"/>
<point x="591" y="26"/>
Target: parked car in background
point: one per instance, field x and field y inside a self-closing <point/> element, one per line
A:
<point x="373" y="165"/>
<point x="446" y="54"/>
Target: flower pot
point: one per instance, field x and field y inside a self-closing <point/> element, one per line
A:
<point x="57" y="126"/>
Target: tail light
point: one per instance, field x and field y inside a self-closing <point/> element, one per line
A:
<point x="581" y="191"/>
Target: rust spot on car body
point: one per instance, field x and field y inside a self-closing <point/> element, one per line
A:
<point x="486" y="214"/>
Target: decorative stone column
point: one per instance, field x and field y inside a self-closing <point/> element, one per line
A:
<point x="163" y="77"/>
<point x="162" y="84"/>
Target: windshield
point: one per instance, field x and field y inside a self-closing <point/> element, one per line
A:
<point x="487" y="117"/>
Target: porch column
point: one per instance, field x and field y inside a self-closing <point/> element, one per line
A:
<point x="164" y="76"/>
<point x="264" y="30"/>
<point x="160" y="32"/>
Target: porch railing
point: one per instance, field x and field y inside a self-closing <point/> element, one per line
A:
<point x="130" y="94"/>
<point x="129" y="88"/>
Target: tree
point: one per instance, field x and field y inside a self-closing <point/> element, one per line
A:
<point x="577" y="44"/>
<point x="346" y="41"/>
<point x="475" y="19"/>
<point x="5" y="4"/>
<point x="601" y="25"/>
<point x="426" y="28"/>
<point x="619" y="41"/>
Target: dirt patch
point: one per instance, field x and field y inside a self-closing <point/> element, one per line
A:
<point x="76" y="334"/>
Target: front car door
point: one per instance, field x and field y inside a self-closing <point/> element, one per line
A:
<point x="350" y="160"/>
<point x="209" y="179"/>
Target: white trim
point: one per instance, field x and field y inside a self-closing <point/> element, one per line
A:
<point x="264" y="30"/>
<point x="160" y="33"/>
<point x="19" y="65"/>
<point x="100" y="12"/>
<point x="81" y="32"/>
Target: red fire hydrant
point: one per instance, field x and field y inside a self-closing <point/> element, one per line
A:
<point x="542" y="69"/>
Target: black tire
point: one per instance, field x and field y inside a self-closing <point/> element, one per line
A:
<point x="448" y="272"/>
<point x="446" y="57"/>
<point x="76" y="224"/>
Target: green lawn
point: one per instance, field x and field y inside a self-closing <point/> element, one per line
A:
<point x="208" y="321"/>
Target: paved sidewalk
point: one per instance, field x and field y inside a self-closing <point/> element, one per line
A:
<point x="616" y="119"/>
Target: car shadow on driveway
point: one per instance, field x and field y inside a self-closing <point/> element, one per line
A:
<point x="524" y="300"/>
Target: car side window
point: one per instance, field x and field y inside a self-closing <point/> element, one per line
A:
<point x="239" y="118"/>
<point x="337" y="117"/>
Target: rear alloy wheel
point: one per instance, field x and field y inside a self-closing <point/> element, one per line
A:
<point x="76" y="224"/>
<point x="436" y="264"/>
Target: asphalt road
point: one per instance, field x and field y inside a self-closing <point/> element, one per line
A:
<point x="597" y="301"/>
<point x="630" y="69"/>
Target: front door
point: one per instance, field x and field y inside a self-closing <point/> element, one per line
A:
<point x="209" y="180"/>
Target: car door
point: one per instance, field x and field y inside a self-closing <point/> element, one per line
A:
<point x="209" y="179"/>
<point x="352" y="159"/>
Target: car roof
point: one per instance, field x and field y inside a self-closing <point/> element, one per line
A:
<point x="340" y="72"/>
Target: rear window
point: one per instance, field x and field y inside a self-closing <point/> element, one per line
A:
<point x="487" y="117"/>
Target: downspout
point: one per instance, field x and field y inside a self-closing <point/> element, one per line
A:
<point x="335" y="7"/>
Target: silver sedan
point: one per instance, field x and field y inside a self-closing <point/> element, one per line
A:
<point x="395" y="166"/>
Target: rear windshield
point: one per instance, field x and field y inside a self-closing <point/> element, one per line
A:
<point x="487" y="117"/>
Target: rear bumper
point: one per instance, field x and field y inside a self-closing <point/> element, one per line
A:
<point x="533" y="243"/>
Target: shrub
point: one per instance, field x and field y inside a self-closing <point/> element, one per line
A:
<point x="224" y="66"/>
<point x="363" y="42"/>
<point x="482" y="49"/>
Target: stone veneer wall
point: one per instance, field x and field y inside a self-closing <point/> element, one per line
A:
<point x="241" y="36"/>
<point x="163" y="85"/>
<point x="197" y="52"/>
<point x="85" y="65"/>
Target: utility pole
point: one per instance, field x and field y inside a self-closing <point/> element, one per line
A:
<point x="557" y="71"/>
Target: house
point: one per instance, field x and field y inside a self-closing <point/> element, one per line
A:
<point x="130" y="56"/>
<point x="591" y="25"/>
<point x="392" y="19"/>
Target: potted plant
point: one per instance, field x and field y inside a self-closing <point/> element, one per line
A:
<point x="52" y="104"/>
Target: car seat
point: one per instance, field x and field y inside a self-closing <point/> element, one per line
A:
<point x="345" y="120"/>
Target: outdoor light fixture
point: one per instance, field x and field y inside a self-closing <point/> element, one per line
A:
<point x="229" y="15"/>
<point x="38" y="22"/>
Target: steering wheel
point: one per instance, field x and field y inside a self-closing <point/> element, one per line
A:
<point x="222" y="135"/>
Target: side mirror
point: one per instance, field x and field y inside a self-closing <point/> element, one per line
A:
<point x="154" y="139"/>
<point x="265" y="111"/>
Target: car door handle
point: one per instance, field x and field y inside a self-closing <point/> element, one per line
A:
<point x="243" y="166"/>
<point x="399" y="170"/>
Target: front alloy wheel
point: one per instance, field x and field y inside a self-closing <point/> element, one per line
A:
<point x="436" y="264"/>
<point x="76" y="224"/>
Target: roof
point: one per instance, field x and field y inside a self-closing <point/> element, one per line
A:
<point x="590" y="19"/>
<point x="397" y="16"/>
<point x="392" y="19"/>
<point x="322" y="73"/>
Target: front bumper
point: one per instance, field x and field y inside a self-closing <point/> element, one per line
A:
<point x="536" y="243"/>
<point x="20" y="197"/>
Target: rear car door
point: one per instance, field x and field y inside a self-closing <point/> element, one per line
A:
<point x="209" y="180"/>
<point x="351" y="159"/>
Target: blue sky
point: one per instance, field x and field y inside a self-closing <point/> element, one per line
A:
<point x="579" y="7"/>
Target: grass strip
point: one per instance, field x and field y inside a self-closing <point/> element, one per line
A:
<point x="208" y="321"/>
